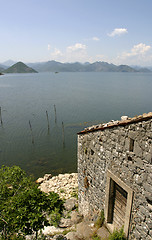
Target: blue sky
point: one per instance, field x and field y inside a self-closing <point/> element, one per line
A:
<point x="116" y="31"/>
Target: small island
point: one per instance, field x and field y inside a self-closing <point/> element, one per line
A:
<point x="19" y="67"/>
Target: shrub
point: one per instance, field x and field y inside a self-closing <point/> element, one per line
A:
<point x="23" y="206"/>
<point x="100" y="220"/>
<point x="117" y="235"/>
<point x="95" y="236"/>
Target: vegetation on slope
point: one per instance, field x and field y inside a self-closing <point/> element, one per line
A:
<point x="23" y="207"/>
<point x="19" y="68"/>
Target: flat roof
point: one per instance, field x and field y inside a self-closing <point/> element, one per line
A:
<point x="125" y="120"/>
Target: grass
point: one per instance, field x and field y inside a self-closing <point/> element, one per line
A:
<point x="100" y="220"/>
<point x="117" y="235"/>
<point x="75" y="193"/>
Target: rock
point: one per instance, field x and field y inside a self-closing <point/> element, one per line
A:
<point x="84" y="231"/>
<point x="29" y="237"/>
<point x="103" y="233"/>
<point x="47" y="177"/>
<point x="51" y="230"/>
<point x="71" y="236"/>
<point x="75" y="217"/>
<point x="65" y="222"/>
<point x="70" y="204"/>
<point x="124" y="118"/>
<point x="63" y="184"/>
<point x="40" y="180"/>
<point x="44" y="187"/>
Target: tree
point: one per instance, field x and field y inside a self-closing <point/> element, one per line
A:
<point x="23" y="207"/>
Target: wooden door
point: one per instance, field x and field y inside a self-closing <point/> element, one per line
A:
<point x="119" y="206"/>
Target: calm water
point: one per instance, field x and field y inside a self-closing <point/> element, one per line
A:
<point x="81" y="99"/>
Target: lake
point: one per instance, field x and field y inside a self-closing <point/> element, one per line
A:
<point x="72" y="101"/>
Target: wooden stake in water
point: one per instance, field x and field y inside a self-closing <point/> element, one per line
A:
<point x="31" y="132"/>
<point x="55" y="113"/>
<point x="48" y="121"/>
<point x="1" y="116"/>
<point x="63" y="138"/>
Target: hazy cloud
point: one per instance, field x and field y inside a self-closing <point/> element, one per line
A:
<point x="57" y="53"/>
<point x="118" y="32"/>
<point x="49" y="47"/>
<point x="77" y="52"/>
<point x="95" y="39"/>
<point x="76" y="47"/>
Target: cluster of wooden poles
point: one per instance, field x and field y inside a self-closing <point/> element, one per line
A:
<point x="1" y="116"/>
<point x="30" y="125"/>
<point x="47" y="117"/>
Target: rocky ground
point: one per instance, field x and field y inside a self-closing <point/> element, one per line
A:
<point x="72" y="225"/>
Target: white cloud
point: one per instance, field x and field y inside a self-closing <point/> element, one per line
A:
<point x="73" y="53"/>
<point x="57" y="53"/>
<point x="49" y="47"/>
<point x="77" y="52"/>
<point x="95" y="39"/>
<point x="139" y="54"/>
<point x="118" y="32"/>
<point x="76" y="47"/>
<point x="138" y="49"/>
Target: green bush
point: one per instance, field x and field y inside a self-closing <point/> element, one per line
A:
<point x="23" y="207"/>
<point x="117" y="235"/>
<point x="55" y="217"/>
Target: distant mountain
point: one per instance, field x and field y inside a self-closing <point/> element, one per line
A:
<point x="19" y="68"/>
<point x="2" y="66"/>
<point x="50" y="66"/>
<point x="1" y="69"/>
<point x="150" y="68"/>
<point x="125" y="68"/>
<point x="53" y="66"/>
<point x="142" y="69"/>
<point x="8" y="63"/>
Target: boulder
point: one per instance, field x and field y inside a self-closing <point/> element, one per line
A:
<point x="47" y="177"/>
<point x="75" y="217"/>
<point x="72" y="236"/>
<point x="40" y="180"/>
<point x="51" y="230"/>
<point x="65" y="222"/>
<point x="84" y="231"/>
<point x="103" y="233"/>
<point x="70" y="204"/>
<point x="124" y="118"/>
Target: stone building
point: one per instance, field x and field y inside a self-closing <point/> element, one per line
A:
<point x="115" y="174"/>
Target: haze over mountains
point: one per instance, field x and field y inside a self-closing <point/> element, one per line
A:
<point x="53" y="66"/>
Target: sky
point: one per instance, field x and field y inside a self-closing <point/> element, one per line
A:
<point x="114" y="31"/>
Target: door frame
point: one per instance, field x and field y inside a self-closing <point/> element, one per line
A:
<point x="111" y="179"/>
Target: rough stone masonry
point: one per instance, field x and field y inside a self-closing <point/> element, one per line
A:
<point x="115" y="174"/>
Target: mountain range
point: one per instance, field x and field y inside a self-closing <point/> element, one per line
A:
<point x="54" y="66"/>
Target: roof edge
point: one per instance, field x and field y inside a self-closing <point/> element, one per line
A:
<point x="136" y="119"/>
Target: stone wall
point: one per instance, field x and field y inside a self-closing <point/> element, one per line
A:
<point x="124" y="148"/>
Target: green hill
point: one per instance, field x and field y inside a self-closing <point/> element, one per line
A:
<point x="19" y="67"/>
